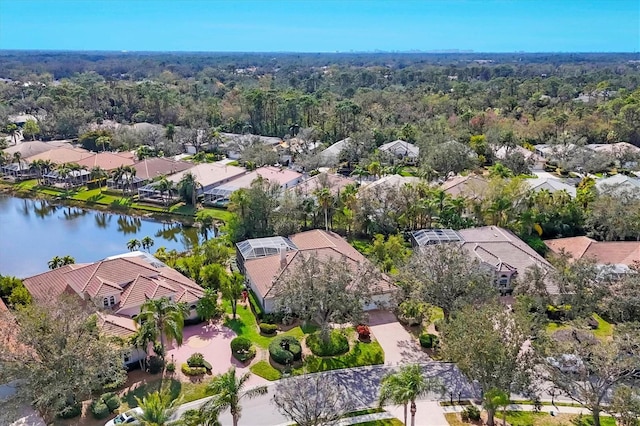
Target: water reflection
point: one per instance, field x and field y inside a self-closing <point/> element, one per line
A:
<point x="34" y="231"/>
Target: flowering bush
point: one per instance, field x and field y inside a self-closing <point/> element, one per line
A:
<point x="363" y="331"/>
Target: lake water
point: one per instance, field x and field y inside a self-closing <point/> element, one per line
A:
<point x="34" y="231"/>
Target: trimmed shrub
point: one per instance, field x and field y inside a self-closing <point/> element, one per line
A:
<point x="428" y="340"/>
<point x="273" y="318"/>
<point x="99" y="409"/>
<point x="192" y="371"/>
<point x="155" y="365"/>
<point x="471" y="413"/>
<point x="70" y="411"/>
<point x="363" y="331"/>
<point x="196" y="360"/>
<point x="285" y="349"/>
<point x="171" y="367"/>
<point x="113" y="402"/>
<point x="242" y="349"/>
<point x="255" y="306"/>
<point x="338" y="344"/>
<point x="268" y="329"/>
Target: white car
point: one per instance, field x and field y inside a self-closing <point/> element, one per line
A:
<point x="126" y="418"/>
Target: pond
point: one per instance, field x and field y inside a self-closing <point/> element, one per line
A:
<point x="34" y="231"/>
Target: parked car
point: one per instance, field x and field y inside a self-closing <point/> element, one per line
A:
<point x="126" y="418"/>
<point x="567" y="363"/>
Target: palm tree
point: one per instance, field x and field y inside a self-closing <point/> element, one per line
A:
<point x="144" y="335"/>
<point x="98" y="174"/>
<point x="147" y="242"/>
<point x="228" y="391"/>
<point x="206" y="222"/>
<point x="12" y="130"/>
<point x="133" y="244"/>
<point x="166" y="317"/>
<point x="157" y="409"/>
<point x="164" y="185"/>
<point x="67" y="260"/>
<point x="188" y="188"/>
<point x="63" y="173"/>
<point x="374" y="168"/>
<point x="17" y="158"/>
<point x="325" y="199"/>
<point x="405" y="386"/>
<point x="55" y="262"/>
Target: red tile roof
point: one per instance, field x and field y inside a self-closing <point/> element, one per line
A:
<point x="3" y="307"/>
<point x="150" y="168"/>
<point x="603" y="252"/>
<point x="62" y="155"/>
<point x="264" y="272"/>
<point x="471" y="186"/>
<point x="114" y="325"/>
<point x="133" y="279"/>
<point x="106" y="160"/>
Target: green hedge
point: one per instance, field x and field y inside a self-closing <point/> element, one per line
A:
<point x="268" y="329"/>
<point x="242" y="349"/>
<point x="255" y="305"/>
<point x="70" y="411"/>
<point x="196" y="360"/>
<point x="428" y="340"/>
<point x="192" y="371"/>
<point x="113" y="402"/>
<point x="283" y="356"/>
<point x="338" y="344"/>
<point x="99" y="410"/>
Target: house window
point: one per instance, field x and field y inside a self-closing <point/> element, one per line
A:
<point x="112" y="300"/>
<point x="105" y="302"/>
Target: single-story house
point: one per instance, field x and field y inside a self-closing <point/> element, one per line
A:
<point x="618" y="184"/>
<point x="550" y="184"/>
<point x="535" y="159"/>
<point x="472" y="187"/>
<point x="123" y="328"/>
<point x="497" y="248"/>
<point x="147" y="170"/>
<point x="387" y="182"/>
<point x="208" y="175"/>
<point x="107" y="160"/>
<point x="619" y="255"/>
<point x="401" y="150"/>
<point x="268" y="259"/>
<point x="331" y="155"/>
<point x="117" y="285"/>
<point x="334" y="182"/>
<point x="286" y="178"/>
<point x="70" y="179"/>
<point x="62" y="155"/>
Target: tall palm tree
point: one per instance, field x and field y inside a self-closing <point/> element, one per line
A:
<point x="166" y="317"/>
<point x="133" y="244"/>
<point x="325" y="199"/>
<point x="147" y="242"/>
<point x="188" y="188"/>
<point x="12" y="130"/>
<point x="98" y="174"/>
<point x="144" y="335"/>
<point x="405" y="386"/>
<point x="55" y="262"/>
<point x="17" y="158"/>
<point x="67" y="260"/>
<point x="228" y="391"/>
<point x="164" y="185"/>
<point x="63" y="173"/>
<point x="157" y="409"/>
<point x="206" y="222"/>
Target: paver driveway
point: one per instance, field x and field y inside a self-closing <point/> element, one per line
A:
<point x="398" y="345"/>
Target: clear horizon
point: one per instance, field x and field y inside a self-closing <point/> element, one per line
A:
<point x="313" y="26"/>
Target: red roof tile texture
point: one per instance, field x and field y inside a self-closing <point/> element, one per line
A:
<point x="603" y="252"/>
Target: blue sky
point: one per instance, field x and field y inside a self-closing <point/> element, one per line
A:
<point x="322" y="26"/>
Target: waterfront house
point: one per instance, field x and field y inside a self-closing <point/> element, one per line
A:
<point x="265" y="261"/>
<point x="286" y="178"/>
<point x="208" y="176"/>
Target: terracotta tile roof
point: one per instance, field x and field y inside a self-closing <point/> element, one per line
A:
<point x="266" y="271"/>
<point x="150" y="168"/>
<point x="106" y="160"/>
<point x="133" y="278"/>
<point x="334" y="182"/>
<point x="210" y="174"/>
<point x="114" y="325"/>
<point x="29" y="149"/>
<point x="62" y="155"/>
<point x="471" y="186"/>
<point x="3" y="307"/>
<point x="49" y="284"/>
<point x="603" y="252"/>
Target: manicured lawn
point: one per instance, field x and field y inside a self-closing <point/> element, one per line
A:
<point x="527" y="418"/>
<point x="384" y="422"/>
<point x="552" y="327"/>
<point x="604" y="330"/>
<point x="27" y="185"/>
<point x="265" y="370"/>
<point x="220" y="214"/>
<point x="184" y="392"/>
<point x="363" y="412"/>
<point x="246" y="325"/>
<point x="360" y="355"/>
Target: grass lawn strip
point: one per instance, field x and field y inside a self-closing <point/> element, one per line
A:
<point x="531" y="418"/>
<point x="383" y="422"/>
<point x="265" y="370"/>
<point x="182" y="391"/>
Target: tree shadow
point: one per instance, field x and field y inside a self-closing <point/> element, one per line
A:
<point x="144" y="388"/>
